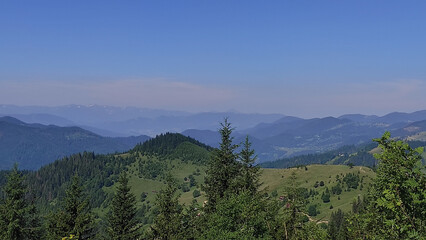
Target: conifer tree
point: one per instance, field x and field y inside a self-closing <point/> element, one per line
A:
<point x="222" y="168"/>
<point x="168" y="223"/>
<point x="122" y="221"/>
<point x="18" y="217"/>
<point x="249" y="175"/>
<point x="74" y="217"/>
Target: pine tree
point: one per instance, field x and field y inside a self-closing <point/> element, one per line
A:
<point x="168" y="223"/>
<point x="249" y="175"/>
<point x="222" y="168"/>
<point x="18" y="217"/>
<point x="74" y="217"/>
<point x="240" y="216"/>
<point x="336" y="227"/>
<point x="122" y="220"/>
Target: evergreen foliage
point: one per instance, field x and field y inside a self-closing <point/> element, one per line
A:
<point x="240" y="216"/>
<point x="96" y="171"/>
<point x="248" y="178"/>
<point x="122" y="222"/>
<point x="18" y="216"/>
<point x="74" y="217"/>
<point x="337" y="226"/>
<point x="33" y="145"/>
<point x="351" y="180"/>
<point x="337" y="190"/>
<point x="222" y="168"/>
<point x="326" y="196"/>
<point x="174" y="145"/>
<point x="357" y="155"/>
<point x="168" y="223"/>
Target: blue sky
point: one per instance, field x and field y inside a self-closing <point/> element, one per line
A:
<point x="303" y="58"/>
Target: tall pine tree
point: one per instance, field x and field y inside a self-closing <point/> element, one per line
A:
<point x="222" y="168"/>
<point x="18" y="216"/>
<point x="122" y="221"/>
<point x="248" y="179"/>
<point x="74" y="217"/>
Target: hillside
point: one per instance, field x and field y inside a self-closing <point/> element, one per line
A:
<point x="34" y="145"/>
<point x="185" y="159"/>
<point x="351" y="154"/>
<point x="413" y="129"/>
<point x="361" y="155"/>
<point x="310" y="178"/>
<point x="289" y="136"/>
<point x="147" y="167"/>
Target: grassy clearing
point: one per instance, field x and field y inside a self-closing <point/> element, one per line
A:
<point x="179" y="170"/>
<point x="278" y="179"/>
<point x="273" y="179"/>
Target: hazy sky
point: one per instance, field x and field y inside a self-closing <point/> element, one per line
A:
<point x="303" y="58"/>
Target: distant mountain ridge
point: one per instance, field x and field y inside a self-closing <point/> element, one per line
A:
<point x="292" y="136"/>
<point x="274" y="136"/>
<point x="34" y="145"/>
<point x="132" y="121"/>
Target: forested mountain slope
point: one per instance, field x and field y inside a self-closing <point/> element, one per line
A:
<point x="35" y="145"/>
<point x="360" y="155"/>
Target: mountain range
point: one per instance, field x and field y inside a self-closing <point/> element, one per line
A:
<point x="291" y="136"/>
<point x="273" y="136"/>
<point x="34" y="145"/>
<point x="130" y="121"/>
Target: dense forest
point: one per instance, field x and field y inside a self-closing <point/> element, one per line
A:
<point x="88" y="196"/>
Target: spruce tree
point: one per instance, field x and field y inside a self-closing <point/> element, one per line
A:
<point x="168" y="222"/>
<point x="222" y="168"/>
<point x="249" y="175"/>
<point x="18" y="216"/>
<point x="122" y="221"/>
<point x="74" y="217"/>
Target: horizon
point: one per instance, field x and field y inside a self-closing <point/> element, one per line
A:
<point x="190" y="112"/>
<point x="300" y="59"/>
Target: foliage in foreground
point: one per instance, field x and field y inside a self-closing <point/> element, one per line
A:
<point x="396" y="205"/>
<point x="18" y="217"/>
<point x="74" y="217"/>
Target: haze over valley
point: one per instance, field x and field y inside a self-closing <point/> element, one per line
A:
<point x="103" y="129"/>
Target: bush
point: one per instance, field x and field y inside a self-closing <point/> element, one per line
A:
<point x="185" y="187"/>
<point x="143" y="196"/>
<point x="312" y="210"/>
<point x="325" y="197"/>
<point x="196" y="193"/>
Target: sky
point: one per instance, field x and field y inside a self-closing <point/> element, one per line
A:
<point x="300" y="58"/>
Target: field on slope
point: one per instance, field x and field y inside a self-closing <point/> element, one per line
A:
<point x="180" y="171"/>
<point x="273" y="180"/>
<point x="149" y="164"/>
<point x="279" y="180"/>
